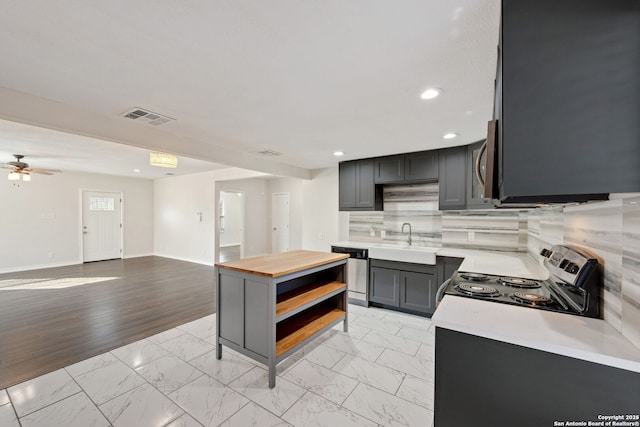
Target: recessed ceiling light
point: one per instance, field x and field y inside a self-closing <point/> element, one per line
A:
<point x="136" y="170"/>
<point x="450" y="135"/>
<point x="338" y="153"/>
<point x="431" y="93"/>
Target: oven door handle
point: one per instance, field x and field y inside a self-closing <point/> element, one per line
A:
<point x="440" y="292"/>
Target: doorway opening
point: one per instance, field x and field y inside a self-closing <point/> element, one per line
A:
<point x="101" y="225"/>
<point x="231" y="225"/>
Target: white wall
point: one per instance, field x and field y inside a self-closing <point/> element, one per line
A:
<point x="295" y="188"/>
<point x="178" y="232"/>
<point x="231" y="203"/>
<point x="44" y="216"/>
<point x="257" y="216"/>
<point x="314" y="218"/>
<point x="321" y="225"/>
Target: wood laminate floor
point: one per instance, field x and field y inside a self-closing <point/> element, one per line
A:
<point x="53" y="317"/>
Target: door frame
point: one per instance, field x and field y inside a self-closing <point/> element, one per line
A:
<point x="81" y="220"/>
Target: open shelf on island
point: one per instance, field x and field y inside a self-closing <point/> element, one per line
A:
<point x="297" y="329"/>
<point x="299" y="299"/>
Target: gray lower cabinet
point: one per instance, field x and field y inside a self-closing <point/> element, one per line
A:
<point x="492" y="378"/>
<point x="384" y="288"/>
<point x="446" y="267"/>
<point x="406" y="286"/>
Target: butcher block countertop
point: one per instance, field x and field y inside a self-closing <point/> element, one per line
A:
<point x="276" y="265"/>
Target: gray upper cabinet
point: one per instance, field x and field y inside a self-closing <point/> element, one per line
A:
<point x="389" y="169"/>
<point x="453" y="178"/>
<point x="569" y="118"/>
<point x="421" y="166"/>
<point x="407" y="168"/>
<point x="357" y="190"/>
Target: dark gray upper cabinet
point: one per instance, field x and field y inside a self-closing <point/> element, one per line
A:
<point x="569" y="99"/>
<point x="421" y="166"/>
<point x="389" y="169"/>
<point x="407" y="168"/>
<point x="357" y="191"/>
<point x="475" y="190"/>
<point x="453" y="178"/>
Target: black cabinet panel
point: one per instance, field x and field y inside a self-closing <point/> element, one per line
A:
<point x="453" y="178"/>
<point x="570" y="99"/>
<point x="347" y="185"/>
<point x="446" y="267"/>
<point x="555" y="388"/>
<point x="421" y="166"/>
<point x="407" y="286"/>
<point x="389" y="169"/>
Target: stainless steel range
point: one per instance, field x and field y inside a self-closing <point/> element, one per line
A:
<point x="573" y="285"/>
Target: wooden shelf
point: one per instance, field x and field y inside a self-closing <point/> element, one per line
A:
<point x="292" y="302"/>
<point x="297" y="329"/>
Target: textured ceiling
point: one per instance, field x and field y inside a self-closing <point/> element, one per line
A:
<point x="304" y="78"/>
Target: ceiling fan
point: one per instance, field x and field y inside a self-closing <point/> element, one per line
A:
<point x="21" y="170"/>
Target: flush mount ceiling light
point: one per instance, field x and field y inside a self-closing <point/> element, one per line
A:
<point x="338" y="153"/>
<point x="431" y="93"/>
<point x="163" y="160"/>
<point x="449" y="135"/>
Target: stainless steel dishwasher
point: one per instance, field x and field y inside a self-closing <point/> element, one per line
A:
<point x="357" y="273"/>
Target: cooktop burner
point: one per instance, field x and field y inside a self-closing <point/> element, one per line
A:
<point x="516" y="282"/>
<point x="477" y="290"/>
<point x="475" y="277"/>
<point x="531" y="298"/>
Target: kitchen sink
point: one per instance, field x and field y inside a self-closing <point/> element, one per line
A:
<point x="403" y="253"/>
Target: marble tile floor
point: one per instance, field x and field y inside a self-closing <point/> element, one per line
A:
<point x="380" y="373"/>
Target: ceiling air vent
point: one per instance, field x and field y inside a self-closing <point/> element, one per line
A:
<point x="147" y="117"/>
<point x="269" y="153"/>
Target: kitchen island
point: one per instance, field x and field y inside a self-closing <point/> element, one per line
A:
<point x="270" y="306"/>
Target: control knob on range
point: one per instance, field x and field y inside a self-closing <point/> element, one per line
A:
<point x="571" y="268"/>
<point x="546" y="253"/>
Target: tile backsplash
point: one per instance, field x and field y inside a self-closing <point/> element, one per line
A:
<point x="610" y="230"/>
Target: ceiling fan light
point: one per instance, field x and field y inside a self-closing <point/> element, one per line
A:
<point x="163" y="160"/>
<point x="26" y="176"/>
<point x="14" y="176"/>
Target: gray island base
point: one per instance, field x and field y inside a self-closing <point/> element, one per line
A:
<point x="269" y="307"/>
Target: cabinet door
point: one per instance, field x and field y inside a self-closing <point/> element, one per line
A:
<point x="570" y="112"/>
<point x="365" y="186"/>
<point x="421" y="166"/>
<point x="389" y="169"/>
<point x="383" y="287"/>
<point x="417" y="291"/>
<point x="452" y="178"/>
<point x="475" y="190"/>
<point x="347" y="185"/>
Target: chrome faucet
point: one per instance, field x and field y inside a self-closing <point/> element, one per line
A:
<point x="409" y="239"/>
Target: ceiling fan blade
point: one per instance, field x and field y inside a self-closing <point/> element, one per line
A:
<point x="6" y="166"/>
<point x="43" y="171"/>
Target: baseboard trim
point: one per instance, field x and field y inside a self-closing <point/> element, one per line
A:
<point x="38" y="266"/>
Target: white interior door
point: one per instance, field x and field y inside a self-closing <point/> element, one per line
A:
<point x="280" y="222"/>
<point x="101" y="225"/>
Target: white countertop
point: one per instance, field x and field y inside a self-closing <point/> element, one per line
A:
<point x="593" y="340"/>
<point x="517" y="264"/>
